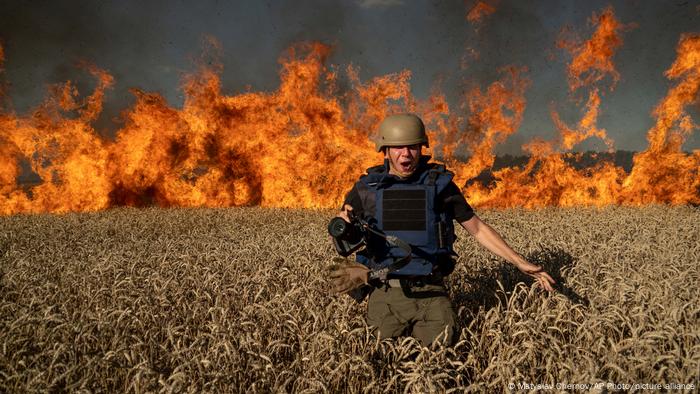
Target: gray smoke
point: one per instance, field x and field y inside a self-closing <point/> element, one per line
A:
<point x="150" y="44"/>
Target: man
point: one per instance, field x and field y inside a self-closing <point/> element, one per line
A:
<point x="416" y="201"/>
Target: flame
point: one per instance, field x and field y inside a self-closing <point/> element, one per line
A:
<point x="64" y="151"/>
<point x="271" y="149"/>
<point x="479" y="11"/>
<point x="592" y="59"/>
<point x="495" y="114"/>
<point x="305" y="143"/>
<point x="475" y="16"/>
<point x="661" y="174"/>
<point x="591" y="63"/>
<point x="549" y="178"/>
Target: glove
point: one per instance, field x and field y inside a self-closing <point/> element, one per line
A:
<point x="346" y="275"/>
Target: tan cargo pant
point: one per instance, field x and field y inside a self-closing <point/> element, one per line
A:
<point x="414" y="311"/>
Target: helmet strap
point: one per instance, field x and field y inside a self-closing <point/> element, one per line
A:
<point x="387" y="165"/>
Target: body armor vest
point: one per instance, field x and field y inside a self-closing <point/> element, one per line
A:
<point x="407" y="209"/>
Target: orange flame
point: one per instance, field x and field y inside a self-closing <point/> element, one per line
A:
<point x="305" y="143"/>
<point x="255" y="148"/>
<point x="593" y="59"/>
<point x="661" y="174"/>
<point x="591" y="63"/>
<point x="64" y="151"/>
<point x="479" y="11"/>
<point x="495" y="114"/>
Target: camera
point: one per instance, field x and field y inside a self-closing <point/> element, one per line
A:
<point x="347" y="237"/>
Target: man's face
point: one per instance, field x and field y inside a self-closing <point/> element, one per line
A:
<point x="403" y="160"/>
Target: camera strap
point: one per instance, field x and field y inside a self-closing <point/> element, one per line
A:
<point x="381" y="274"/>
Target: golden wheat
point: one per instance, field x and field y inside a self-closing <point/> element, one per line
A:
<point x="233" y="300"/>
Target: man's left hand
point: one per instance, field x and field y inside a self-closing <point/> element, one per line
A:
<point x="537" y="272"/>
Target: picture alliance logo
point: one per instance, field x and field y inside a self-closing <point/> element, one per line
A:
<point x="600" y="386"/>
<point x="555" y="386"/>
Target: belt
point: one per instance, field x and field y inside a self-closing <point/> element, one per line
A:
<point x="414" y="281"/>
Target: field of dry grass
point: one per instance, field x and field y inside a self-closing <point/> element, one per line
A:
<point x="233" y="300"/>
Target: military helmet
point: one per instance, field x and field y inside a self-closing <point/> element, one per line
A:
<point x="401" y="130"/>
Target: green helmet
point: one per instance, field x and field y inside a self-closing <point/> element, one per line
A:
<point x="401" y="130"/>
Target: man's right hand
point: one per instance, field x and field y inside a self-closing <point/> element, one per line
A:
<point x="346" y="275"/>
<point x="345" y="213"/>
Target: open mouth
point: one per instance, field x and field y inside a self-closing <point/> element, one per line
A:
<point x="406" y="166"/>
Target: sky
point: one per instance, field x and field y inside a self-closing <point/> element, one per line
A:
<point x="151" y="44"/>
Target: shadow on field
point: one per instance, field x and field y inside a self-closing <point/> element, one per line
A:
<point x="485" y="286"/>
<point x="553" y="261"/>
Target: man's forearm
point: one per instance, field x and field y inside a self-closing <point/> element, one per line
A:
<point x="491" y="240"/>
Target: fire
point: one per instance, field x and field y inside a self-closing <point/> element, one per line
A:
<point x="479" y="11"/>
<point x="591" y="63"/>
<point x="305" y="143"/>
<point x="592" y="60"/>
<point x="64" y="151"/>
<point x="295" y="147"/>
<point x="495" y="114"/>
<point x="661" y="174"/>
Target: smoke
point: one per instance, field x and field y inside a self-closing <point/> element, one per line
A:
<point x="150" y="45"/>
<point x="379" y="3"/>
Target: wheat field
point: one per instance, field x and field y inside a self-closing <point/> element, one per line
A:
<point x="234" y="300"/>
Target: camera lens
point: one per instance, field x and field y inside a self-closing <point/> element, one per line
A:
<point x="337" y="227"/>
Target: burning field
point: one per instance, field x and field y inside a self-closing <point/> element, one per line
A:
<point x="302" y="145"/>
<point x="185" y="251"/>
<point x="234" y="299"/>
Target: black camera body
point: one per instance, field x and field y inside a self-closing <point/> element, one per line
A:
<point x="347" y="237"/>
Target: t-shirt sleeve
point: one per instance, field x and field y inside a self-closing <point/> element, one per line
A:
<point x="454" y="202"/>
<point x="353" y="199"/>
